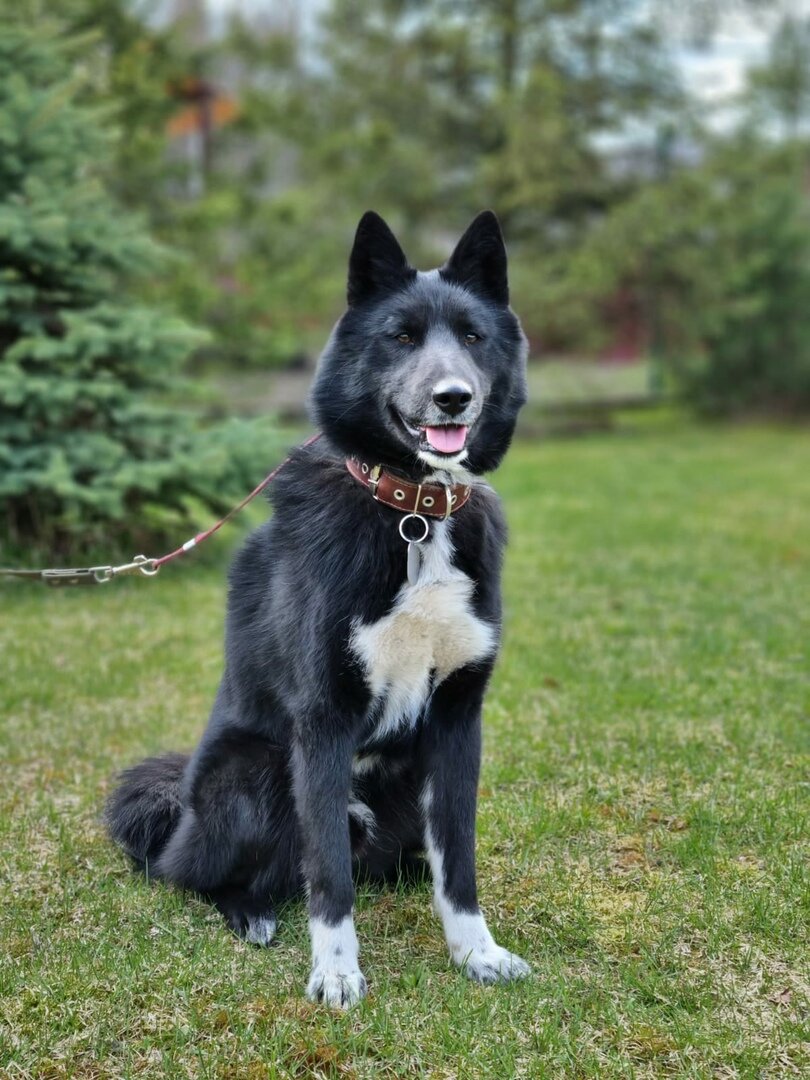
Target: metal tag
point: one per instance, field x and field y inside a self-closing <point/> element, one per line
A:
<point x="413" y="542"/>
<point x="414" y="563"/>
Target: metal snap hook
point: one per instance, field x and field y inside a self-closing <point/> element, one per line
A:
<point x="146" y="566"/>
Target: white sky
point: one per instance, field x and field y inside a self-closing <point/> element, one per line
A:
<point x="740" y="40"/>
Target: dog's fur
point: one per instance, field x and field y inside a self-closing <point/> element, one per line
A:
<point x="346" y="730"/>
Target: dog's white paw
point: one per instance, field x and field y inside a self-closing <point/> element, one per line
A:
<point x="473" y="948"/>
<point x="336" y="979"/>
<point x="493" y="964"/>
<point x="336" y="987"/>
<point x="260" y="929"/>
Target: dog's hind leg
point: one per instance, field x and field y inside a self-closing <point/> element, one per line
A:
<point x="388" y="837"/>
<point x="248" y="914"/>
<point x="204" y="860"/>
<point x="237" y="841"/>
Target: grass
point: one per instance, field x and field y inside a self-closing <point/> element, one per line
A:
<point x="643" y="817"/>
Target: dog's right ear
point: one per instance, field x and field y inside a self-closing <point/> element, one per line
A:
<point x="479" y="260"/>
<point x="377" y="262"/>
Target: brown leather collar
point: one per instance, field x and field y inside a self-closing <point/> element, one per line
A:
<point x="430" y="500"/>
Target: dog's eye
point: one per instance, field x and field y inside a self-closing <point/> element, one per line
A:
<point x="470" y="339"/>
<point x="405" y="339"/>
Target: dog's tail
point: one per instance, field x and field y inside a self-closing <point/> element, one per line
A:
<point x="145" y="807"/>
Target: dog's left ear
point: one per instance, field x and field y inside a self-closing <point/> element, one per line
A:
<point x="479" y="260"/>
<point x="377" y="262"/>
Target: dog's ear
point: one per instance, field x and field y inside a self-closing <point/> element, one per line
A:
<point x="479" y="260"/>
<point x="377" y="262"/>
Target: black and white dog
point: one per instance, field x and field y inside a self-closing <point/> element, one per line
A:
<point x="363" y="624"/>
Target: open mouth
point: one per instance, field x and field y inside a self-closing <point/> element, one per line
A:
<point x="447" y="439"/>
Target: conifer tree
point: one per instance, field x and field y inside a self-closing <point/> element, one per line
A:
<point x="85" y="446"/>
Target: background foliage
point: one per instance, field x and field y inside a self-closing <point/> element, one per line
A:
<point x="570" y="117"/>
<point x="249" y="144"/>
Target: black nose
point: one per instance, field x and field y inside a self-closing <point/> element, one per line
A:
<point x="453" y="399"/>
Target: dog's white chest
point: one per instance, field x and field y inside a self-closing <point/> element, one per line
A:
<point x="430" y="632"/>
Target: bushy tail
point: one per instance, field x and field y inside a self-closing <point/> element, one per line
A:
<point x="144" y="809"/>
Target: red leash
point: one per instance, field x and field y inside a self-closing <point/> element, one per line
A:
<point x="98" y="575"/>
<point x="200" y="537"/>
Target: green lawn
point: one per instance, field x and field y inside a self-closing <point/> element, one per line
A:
<point x="643" y="821"/>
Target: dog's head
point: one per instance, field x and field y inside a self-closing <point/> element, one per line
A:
<point x="424" y="371"/>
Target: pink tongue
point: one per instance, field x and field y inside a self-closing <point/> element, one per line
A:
<point x="449" y="439"/>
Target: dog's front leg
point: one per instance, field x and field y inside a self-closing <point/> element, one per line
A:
<point x="451" y="755"/>
<point x="322" y="778"/>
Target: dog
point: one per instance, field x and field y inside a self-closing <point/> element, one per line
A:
<point x="363" y="624"/>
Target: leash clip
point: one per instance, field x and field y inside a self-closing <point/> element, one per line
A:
<point x="140" y="564"/>
<point x="100" y="575"/>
